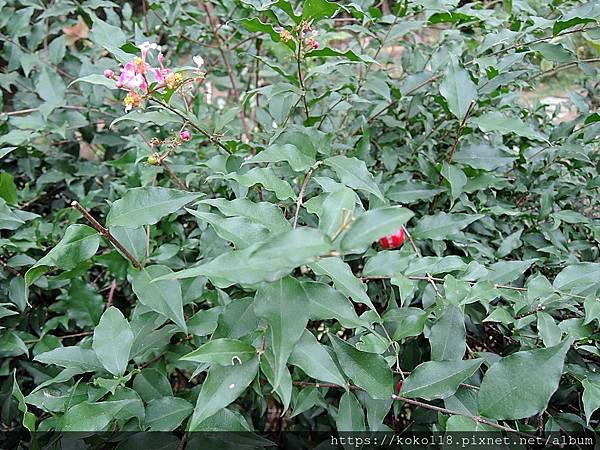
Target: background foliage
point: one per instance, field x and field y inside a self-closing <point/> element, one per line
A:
<point x="263" y="303"/>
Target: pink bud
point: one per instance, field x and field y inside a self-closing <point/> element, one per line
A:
<point x="109" y="73"/>
<point x="315" y="45"/>
<point x="185" y="135"/>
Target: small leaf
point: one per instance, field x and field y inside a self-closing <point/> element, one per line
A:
<point x="225" y="351"/>
<point x="373" y="225"/>
<point x="367" y="370"/>
<point x="350" y="416"/>
<point x="284" y="307"/>
<point x="163" y="296"/>
<point x="458" y="89"/>
<point x="448" y="335"/>
<point x="112" y="341"/>
<point x="438" y="379"/>
<point x="313" y="358"/>
<point x="354" y="173"/>
<point x="146" y="206"/>
<point x="442" y="225"/>
<point x="223" y="385"/>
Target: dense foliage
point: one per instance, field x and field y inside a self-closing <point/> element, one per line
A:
<point x="190" y="234"/>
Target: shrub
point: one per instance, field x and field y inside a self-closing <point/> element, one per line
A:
<point x="299" y="215"/>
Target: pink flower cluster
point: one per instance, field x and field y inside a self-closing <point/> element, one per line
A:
<point x="137" y="75"/>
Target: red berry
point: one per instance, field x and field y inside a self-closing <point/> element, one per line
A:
<point x="394" y="240"/>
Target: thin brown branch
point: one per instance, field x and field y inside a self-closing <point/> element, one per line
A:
<point x="301" y="77"/>
<point x="203" y="132"/>
<point x="106" y="233"/>
<point x="212" y="20"/>
<point x="412" y="402"/>
<point x="111" y="293"/>
<point x="309" y="173"/>
<point x="9" y="269"/>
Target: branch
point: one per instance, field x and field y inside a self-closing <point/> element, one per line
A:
<point x="439" y="409"/>
<point x="205" y="133"/>
<point x="215" y="29"/>
<point x="302" y="189"/>
<point x="106" y="233"/>
<point x="300" y="77"/>
<point x="9" y="269"/>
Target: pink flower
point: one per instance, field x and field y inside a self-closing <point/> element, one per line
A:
<point x="130" y="78"/>
<point x="145" y="47"/>
<point x="109" y="73"/>
<point x="185" y="135"/>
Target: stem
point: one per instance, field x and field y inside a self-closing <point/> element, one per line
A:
<point x="302" y="189"/>
<point x="173" y="175"/>
<point x="106" y="233"/>
<point x="461" y="127"/>
<point x="205" y="133"/>
<point x="300" y="77"/>
<point x="9" y="269"/>
<point x="111" y="293"/>
<point x="560" y="67"/>
<point x="439" y="409"/>
<point x="429" y="278"/>
<point x="215" y="29"/>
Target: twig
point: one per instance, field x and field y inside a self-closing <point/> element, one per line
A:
<point x="215" y="29"/>
<point x="560" y="67"/>
<point x="173" y="175"/>
<point x="461" y="128"/>
<point x="439" y="409"/>
<point x="111" y="293"/>
<point x="69" y="336"/>
<point x="309" y="173"/>
<point x="429" y="278"/>
<point x="9" y="269"/>
<point x="300" y="77"/>
<point x="106" y="233"/>
<point x="205" y="133"/>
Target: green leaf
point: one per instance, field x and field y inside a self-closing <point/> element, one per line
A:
<point x="110" y="37"/>
<point x="167" y="413"/>
<point x="240" y="231"/>
<point x="350" y="416"/>
<point x="372" y="225"/>
<point x="314" y="360"/>
<point x="284" y="307"/>
<point x="225" y="351"/>
<point x="496" y="121"/>
<point x="133" y="239"/>
<point x="96" y="79"/>
<point x="327" y="303"/>
<point x="548" y="330"/>
<point x="112" y="341"/>
<point x="88" y="416"/>
<point x="442" y="225"/>
<point x="343" y="279"/>
<point x="8" y="190"/>
<point x="458" y="89"/>
<point x="503" y="272"/>
<point x="332" y="209"/>
<point x="407" y="192"/>
<point x="265" y="176"/>
<point x="77" y="358"/>
<point x="159" y="118"/>
<point x="163" y="296"/>
<point x="367" y="370"/>
<point x="293" y="155"/>
<point x="79" y="244"/>
<point x="354" y="173"/>
<point x="579" y="279"/>
<point x="223" y="385"/>
<point x="146" y="206"/>
<point x="408" y="322"/>
<point x="481" y="156"/>
<point x="319" y="9"/>
<point x="28" y="417"/>
<point x="520" y="385"/>
<point x="448" y="335"/>
<point x="264" y="213"/>
<point x="438" y="379"/>
<point x="591" y="397"/>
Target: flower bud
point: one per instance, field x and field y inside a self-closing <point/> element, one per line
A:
<point x="185" y="135"/>
<point x="109" y="73"/>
